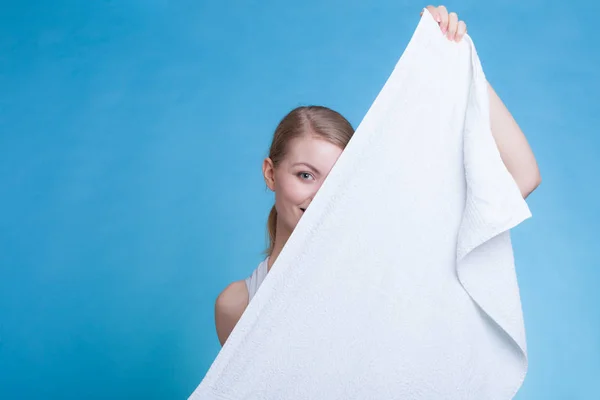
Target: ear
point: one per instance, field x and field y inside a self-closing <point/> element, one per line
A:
<point x="269" y="173"/>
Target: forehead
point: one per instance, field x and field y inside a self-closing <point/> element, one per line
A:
<point x="313" y="150"/>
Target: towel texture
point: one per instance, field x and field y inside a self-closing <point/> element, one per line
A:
<point x="399" y="281"/>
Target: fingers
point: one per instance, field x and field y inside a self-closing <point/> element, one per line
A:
<point x="452" y="25"/>
<point x="449" y="23"/>
<point x="461" y="31"/>
<point x="443" y="13"/>
<point x="434" y="13"/>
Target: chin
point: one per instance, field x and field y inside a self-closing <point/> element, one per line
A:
<point x="290" y="224"/>
<point x="293" y="226"/>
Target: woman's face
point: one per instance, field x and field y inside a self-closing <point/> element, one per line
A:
<point x="299" y="176"/>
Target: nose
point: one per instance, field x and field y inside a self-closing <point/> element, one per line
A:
<point x="311" y="196"/>
<point x="306" y="204"/>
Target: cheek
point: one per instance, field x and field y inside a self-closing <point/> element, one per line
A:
<point x="290" y="192"/>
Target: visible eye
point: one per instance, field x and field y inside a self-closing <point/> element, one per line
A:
<point x="305" y="175"/>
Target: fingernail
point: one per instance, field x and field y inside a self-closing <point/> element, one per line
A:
<point x="438" y="19"/>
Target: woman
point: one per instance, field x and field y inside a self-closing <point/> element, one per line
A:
<point x="306" y="145"/>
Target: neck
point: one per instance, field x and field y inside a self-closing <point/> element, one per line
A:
<point x="281" y="237"/>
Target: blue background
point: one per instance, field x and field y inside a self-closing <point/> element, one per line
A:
<point x="131" y="141"/>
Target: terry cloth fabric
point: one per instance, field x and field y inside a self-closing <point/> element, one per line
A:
<point x="399" y="280"/>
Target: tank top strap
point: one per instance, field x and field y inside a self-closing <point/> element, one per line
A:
<point x="254" y="281"/>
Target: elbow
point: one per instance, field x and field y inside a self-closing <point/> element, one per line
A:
<point x="530" y="182"/>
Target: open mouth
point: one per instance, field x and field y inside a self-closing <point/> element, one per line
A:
<point x="303" y="209"/>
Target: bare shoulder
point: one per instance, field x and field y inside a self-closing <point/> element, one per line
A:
<point x="229" y="307"/>
<point x="233" y="297"/>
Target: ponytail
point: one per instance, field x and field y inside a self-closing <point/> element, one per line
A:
<point x="271" y="229"/>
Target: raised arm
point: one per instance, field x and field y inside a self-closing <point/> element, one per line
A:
<point x="514" y="149"/>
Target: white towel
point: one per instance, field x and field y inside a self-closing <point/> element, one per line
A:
<point x="399" y="281"/>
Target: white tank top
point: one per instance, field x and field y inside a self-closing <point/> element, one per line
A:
<point x="254" y="281"/>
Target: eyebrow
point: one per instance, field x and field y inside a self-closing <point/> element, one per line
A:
<point x="308" y="165"/>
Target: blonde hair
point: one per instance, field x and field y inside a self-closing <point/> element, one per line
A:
<point x="313" y="120"/>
